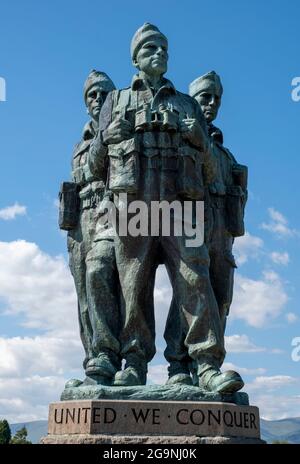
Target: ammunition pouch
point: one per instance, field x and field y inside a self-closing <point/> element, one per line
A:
<point x="91" y="195"/>
<point x="68" y="206"/>
<point x="235" y="202"/>
<point x="124" y="166"/>
<point x="190" y="180"/>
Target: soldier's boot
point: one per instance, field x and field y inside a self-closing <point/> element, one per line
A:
<point x="214" y="380"/>
<point x="135" y="373"/>
<point x="179" y="374"/>
<point x="102" y="369"/>
<point x="73" y="383"/>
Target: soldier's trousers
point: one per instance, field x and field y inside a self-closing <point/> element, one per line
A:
<point x="188" y="270"/>
<point x="221" y="272"/>
<point x="222" y="262"/>
<point x="79" y="242"/>
<point x="104" y="299"/>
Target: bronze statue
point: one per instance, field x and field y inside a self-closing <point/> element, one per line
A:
<point x="93" y="267"/>
<point x="225" y="202"/>
<point x="227" y="196"/>
<point x="155" y="141"/>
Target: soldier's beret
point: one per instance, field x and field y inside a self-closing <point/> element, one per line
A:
<point x="146" y="32"/>
<point x="198" y="84"/>
<point x="100" y="78"/>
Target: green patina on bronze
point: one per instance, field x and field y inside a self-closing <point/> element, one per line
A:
<point x="153" y="143"/>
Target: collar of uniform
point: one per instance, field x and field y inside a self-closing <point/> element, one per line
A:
<point x="138" y="83"/>
<point x="88" y="131"/>
<point x="217" y="135"/>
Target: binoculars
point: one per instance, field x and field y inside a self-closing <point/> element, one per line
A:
<point x="163" y="119"/>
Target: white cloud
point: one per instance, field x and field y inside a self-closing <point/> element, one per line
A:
<point x="272" y="383"/>
<point x="277" y="216"/>
<point x="162" y="300"/>
<point x="25" y="356"/>
<point x="272" y="395"/>
<point x="163" y="290"/>
<point x="278" y="224"/>
<point x="10" y="212"/>
<point x="280" y="258"/>
<point x="158" y="374"/>
<point x="243" y="370"/>
<point x="247" y="246"/>
<point x="28" y="399"/>
<point x="33" y="370"/>
<point x="291" y="317"/>
<point x="241" y="344"/>
<point x="38" y="287"/>
<point x="276" y="407"/>
<point x="257" y="302"/>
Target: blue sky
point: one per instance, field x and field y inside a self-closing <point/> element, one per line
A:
<point x="47" y="50"/>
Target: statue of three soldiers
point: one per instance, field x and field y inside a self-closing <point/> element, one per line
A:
<point x="153" y="143"/>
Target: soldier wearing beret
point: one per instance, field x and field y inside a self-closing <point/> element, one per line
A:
<point x="226" y="199"/>
<point x="227" y="195"/>
<point x="93" y="316"/>
<point x="157" y="145"/>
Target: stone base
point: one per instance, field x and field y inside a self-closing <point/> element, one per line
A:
<point x="134" y="421"/>
<point x="87" y="439"/>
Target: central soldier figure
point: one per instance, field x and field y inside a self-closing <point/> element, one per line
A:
<point x="155" y="141"/>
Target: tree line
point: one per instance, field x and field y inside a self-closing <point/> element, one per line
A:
<point x="20" y="437"/>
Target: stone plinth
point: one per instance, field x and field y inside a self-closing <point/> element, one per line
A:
<point x="151" y="393"/>
<point x="86" y="439"/>
<point x="122" y="421"/>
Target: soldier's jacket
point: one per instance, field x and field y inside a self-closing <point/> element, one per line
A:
<point x="85" y="191"/>
<point x="228" y="192"/>
<point x="155" y="158"/>
<point x="90" y="187"/>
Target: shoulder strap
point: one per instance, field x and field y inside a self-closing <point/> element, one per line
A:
<point x="124" y="97"/>
<point x="115" y="99"/>
<point x="121" y="100"/>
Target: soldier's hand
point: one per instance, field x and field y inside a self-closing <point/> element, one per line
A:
<point x="120" y="129"/>
<point x="193" y="132"/>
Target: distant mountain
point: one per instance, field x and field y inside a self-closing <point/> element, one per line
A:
<point x="283" y="430"/>
<point x="35" y="429"/>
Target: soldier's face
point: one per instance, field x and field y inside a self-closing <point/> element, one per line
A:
<point x="209" y="98"/>
<point x="95" y="98"/>
<point x="152" y="57"/>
